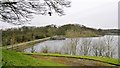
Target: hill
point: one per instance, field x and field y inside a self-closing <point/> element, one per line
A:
<point x="27" y="33"/>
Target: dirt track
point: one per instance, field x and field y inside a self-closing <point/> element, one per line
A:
<point x="72" y="61"/>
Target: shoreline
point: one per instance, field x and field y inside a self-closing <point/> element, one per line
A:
<point x="21" y="46"/>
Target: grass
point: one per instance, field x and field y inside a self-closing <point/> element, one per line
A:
<point x="12" y="58"/>
<point x="101" y="59"/>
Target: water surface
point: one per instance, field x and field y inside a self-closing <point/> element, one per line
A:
<point x="65" y="46"/>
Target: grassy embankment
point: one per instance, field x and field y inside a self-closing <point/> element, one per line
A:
<point x="11" y="58"/>
<point x="24" y="45"/>
<point x="112" y="61"/>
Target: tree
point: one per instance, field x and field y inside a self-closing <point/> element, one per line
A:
<point x="99" y="48"/>
<point x="19" y="11"/>
<point x="104" y="47"/>
<point x="71" y="46"/>
<point x="85" y="46"/>
<point x="110" y="50"/>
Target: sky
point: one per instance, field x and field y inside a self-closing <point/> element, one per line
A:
<point x="91" y="13"/>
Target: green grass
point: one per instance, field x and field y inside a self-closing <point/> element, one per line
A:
<point x="102" y="59"/>
<point x="11" y="58"/>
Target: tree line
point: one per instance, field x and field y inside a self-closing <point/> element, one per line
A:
<point x="28" y="33"/>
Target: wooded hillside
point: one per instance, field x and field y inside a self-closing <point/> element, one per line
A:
<point x="25" y="33"/>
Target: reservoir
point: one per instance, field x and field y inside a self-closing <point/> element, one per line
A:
<point x="91" y="46"/>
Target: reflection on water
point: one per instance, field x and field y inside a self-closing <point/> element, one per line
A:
<point x="93" y="46"/>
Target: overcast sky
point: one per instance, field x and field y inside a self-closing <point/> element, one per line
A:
<point x="92" y="13"/>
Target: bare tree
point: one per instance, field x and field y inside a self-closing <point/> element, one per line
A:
<point x="65" y="48"/>
<point x="104" y="47"/>
<point x="85" y="46"/>
<point x="98" y="48"/>
<point x="109" y="46"/>
<point x="19" y="11"/>
<point x="73" y="45"/>
<point x="95" y="49"/>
